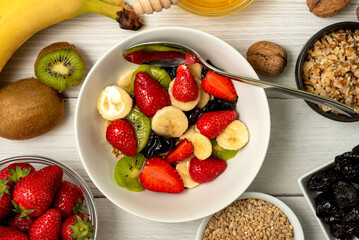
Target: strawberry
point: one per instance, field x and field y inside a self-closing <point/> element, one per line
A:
<point x="141" y="56"/>
<point x="75" y="227"/>
<point x="185" y="88"/>
<point x="14" y="172"/>
<point x="69" y="199"/>
<point x="47" y="226"/>
<point x="203" y="171"/>
<point x="8" y="233"/>
<point x="213" y="123"/>
<point x="159" y="176"/>
<point x="120" y="135"/>
<point x="183" y="150"/>
<point x="149" y="94"/>
<point x="219" y="86"/>
<point x="5" y="199"/>
<point x="34" y="193"/>
<point x="22" y="223"/>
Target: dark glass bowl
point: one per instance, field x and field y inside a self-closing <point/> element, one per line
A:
<point x="303" y="55"/>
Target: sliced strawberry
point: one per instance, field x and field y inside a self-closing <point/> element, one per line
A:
<point x="120" y="135"/>
<point x="22" y="223"/>
<point x="47" y="226"/>
<point x="150" y="95"/>
<point x="219" y="86"/>
<point x="213" y="123"/>
<point x="185" y="88"/>
<point x="9" y="233"/>
<point x="14" y="172"/>
<point x="203" y="171"/>
<point x="159" y="176"/>
<point x="182" y="151"/>
<point x="142" y="56"/>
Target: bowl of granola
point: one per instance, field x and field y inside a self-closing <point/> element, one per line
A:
<point x="328" y="66"/>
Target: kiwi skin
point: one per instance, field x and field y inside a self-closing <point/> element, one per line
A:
<point x="58" y="46"/>
<point x="29" y="108"/>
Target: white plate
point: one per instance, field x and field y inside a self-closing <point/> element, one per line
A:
<point x="310" y="195"/>
<point x="192" y="204"/>
<point x="297" y="227"/>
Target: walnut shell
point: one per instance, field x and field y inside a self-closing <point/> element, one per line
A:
<point x="327" y="8"/>
<point x="267" y="58"/>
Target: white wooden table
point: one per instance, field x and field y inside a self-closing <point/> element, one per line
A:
<point x="300" y="138"/>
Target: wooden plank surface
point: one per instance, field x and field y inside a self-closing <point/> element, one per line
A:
<point x="300" y="138"/>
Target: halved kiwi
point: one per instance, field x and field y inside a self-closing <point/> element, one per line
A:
<point x="60" y="65"/>
<point x="221" y="153"/>
<point x="127" y="171"/>
<point x="142" y="126"/>
<point x="157" y="73"/>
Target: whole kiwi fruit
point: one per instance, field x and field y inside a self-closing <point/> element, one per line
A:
<point x="29" y="108"/>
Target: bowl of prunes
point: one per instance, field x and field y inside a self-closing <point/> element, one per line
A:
<point x="332" y="191"/>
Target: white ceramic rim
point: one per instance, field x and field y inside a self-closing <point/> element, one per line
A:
<point x="297" y="227"/>
<point x="85" y="83"/>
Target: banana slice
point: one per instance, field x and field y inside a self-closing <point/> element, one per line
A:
<point x="114" y="103"/>
<point x="125" y="80"/>
<point x="234" y="136"/>
<point x="202" y="146"/>
<point x="189" y="133"/>
<point x="169" y="122"/>
<point x="204" y="96"/>
<point x="183" y="170"/>
<point x="195" y="69"/>
<point x="185" y="106"/>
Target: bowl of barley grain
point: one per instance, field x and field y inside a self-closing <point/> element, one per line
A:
<point x="252" y="216"/>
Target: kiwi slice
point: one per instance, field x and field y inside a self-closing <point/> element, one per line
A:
<point x="60" y="65"/>
<point x="127" y="171"/>
<point x="142" y="126"/>
<point x="156" y="72"/>
<point x="221" y="153"/>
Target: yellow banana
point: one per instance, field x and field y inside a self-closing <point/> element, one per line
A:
<point x="20" y="19"/>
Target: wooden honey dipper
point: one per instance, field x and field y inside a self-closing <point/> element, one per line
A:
<point x="150" y="6"/>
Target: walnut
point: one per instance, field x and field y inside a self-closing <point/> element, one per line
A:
<point x="267" y="58"/>
<point x="327" y="8"/>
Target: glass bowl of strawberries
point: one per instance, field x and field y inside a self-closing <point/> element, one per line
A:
<point x="41" y="198"/>
<point x="171" y="144"/>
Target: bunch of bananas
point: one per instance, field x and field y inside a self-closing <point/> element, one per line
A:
<point x="20" y="19"/>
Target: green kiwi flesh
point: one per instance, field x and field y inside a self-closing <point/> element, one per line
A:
<point x="60" y="66"/>
<point x="142" y="126"/>
<point x="221" y="153"/>
<point x="127" y="171"/>
<point x="156" y="72"/>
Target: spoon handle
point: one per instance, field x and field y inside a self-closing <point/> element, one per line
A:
<point x="338" y="106"/>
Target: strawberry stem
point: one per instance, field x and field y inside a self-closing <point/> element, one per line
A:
<point x="18" y="209"/>
<point x="78" y="207"/>
<point x="82" y="229"/>
<point x="18" y="173"/>
<point x="4" y="188"/>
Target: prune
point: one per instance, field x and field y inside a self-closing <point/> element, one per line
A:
<point x="338" y="231"/>
<point x="172" y="71"/>
<point x="218" y="104"/>
<point x="322" y="181"/>
<point x="345" y="194"/>
<point x="326" y="207"/>
<point x="157" y="145"/>
<point x="356" y="150"/>
<point x="352" y="215"/>
<point x="347" y="165"/>
<point x="193" y="115"/>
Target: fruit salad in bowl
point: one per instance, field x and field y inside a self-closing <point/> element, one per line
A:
<point x="171" y="128"/>
<point x="171" y="144"/>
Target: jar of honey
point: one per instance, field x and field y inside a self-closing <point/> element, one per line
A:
<point x="213" y="8"/>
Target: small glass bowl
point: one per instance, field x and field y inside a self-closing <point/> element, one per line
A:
<point x="208" y="11"/>
<point x="69" y="175"/>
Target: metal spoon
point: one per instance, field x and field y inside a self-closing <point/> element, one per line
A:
<point x="167" y="54"/>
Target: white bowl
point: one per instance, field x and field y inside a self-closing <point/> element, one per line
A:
<point x="310" y="195"/>
<point x="191" y="204"/>
<point x="297" y="227"/>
